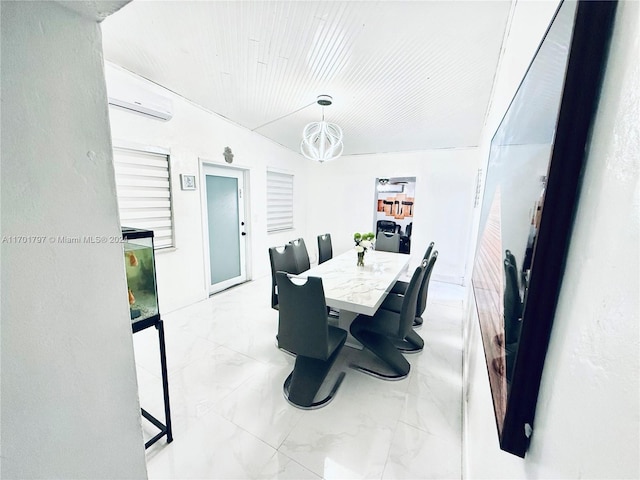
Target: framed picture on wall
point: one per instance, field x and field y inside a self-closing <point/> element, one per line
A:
<point x="530" y="195"/>
<point x="188" y="182"/>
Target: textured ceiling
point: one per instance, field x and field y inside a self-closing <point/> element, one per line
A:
<point x="404" y="76"/>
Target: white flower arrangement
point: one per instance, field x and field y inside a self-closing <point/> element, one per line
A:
<point x="363" y="241"/>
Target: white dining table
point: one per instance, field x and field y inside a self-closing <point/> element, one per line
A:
<point x="358" y="290"/>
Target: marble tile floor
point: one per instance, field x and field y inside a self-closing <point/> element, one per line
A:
<point x="231" y="421"/>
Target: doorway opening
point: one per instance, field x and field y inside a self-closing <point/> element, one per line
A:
<point x="395" y="202"/>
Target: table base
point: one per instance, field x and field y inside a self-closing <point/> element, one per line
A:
<point x="344" y="322"/>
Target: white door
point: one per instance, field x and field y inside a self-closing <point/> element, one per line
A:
<point x="224" y="226"/>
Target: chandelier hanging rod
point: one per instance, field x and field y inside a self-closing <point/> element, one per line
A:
<point x="281" y="117"/>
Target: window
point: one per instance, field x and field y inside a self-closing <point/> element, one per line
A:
<point x="144" y="192"/>
<point x="279" y="201"/>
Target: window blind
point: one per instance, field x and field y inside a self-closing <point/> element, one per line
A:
<point x="144" y="193"/>
<point x="279" y="201"/>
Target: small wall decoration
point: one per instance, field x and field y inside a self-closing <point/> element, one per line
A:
<point x="399" y="206"/>
<point x="188" y="182"/>
<point x="228" y="155"/>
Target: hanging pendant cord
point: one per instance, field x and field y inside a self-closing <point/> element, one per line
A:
<point x="283" y="116"/>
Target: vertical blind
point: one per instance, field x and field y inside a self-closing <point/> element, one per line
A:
<point x="144" y="193"/>
<point x="279" y="201"/>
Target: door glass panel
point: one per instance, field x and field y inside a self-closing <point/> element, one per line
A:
<point x="224" y="235"/>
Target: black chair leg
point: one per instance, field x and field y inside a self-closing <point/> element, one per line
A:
<point x="384" y="349"/>
<point x="302" y="385"/>
<point x="417" y="322"/>
<point x="412" y="343"/>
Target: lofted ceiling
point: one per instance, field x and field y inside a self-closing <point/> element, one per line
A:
<point x="404" y="75"/>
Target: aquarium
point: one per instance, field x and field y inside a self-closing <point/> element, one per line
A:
<point x="141" y="274"/>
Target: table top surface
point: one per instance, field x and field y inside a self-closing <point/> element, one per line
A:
<point x="359" y="289"/>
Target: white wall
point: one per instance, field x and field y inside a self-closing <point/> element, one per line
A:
<point x="191" y="135"/>
<point x="69" y="395"/>
<point x="327" y="196"/>
<point x="342" y="194"/>
<point x="588" y="415"/>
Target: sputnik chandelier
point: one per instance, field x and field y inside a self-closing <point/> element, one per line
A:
<point x="322" y="141"/>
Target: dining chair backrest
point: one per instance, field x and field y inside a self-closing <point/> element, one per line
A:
<point x="302" y="327"/>
<point x="424" y="286"/>
<point x="427" y="254"/>
<point x="410" y="300"/>
<point x="301" y="254"/>
<point x="512" y="259"/>
<point x="387" y="226"/>
<point x="512" y="303"/>
<point x="281" y="259"/>
<point x="388" y="242"/>
<point x="409" y="229"/>
<point x="325" y="250"/>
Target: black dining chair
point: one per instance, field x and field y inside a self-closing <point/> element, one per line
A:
<point x="401" y="286"/>
<point x="282" y="259"/>
<point x="405" y="240"/>
<point x="379" y="332"/>
<point x="388" y="242"/>
<point x="512" y="260"/>
<point x="512" y="303"/>
<point x="303" y="330"/>
<point x="413" y="342"/>
<point x="387" y="226"/>
<point x="325" y="250"/>
<point x="302" y="255"/>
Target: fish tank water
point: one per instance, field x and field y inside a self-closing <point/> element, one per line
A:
<point x="139" y="263"/>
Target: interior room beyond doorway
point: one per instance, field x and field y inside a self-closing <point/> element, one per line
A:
<point x="394" y="207"/>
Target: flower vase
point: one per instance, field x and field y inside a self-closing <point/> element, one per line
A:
<point x="360" y="259"/>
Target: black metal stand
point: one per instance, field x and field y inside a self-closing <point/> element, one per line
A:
<point x="165" y="429"/>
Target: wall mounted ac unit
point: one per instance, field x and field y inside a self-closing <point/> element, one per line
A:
<point x="391" y="188"/>
<point x="160" y="108"/>
<point x="136" y="94"/>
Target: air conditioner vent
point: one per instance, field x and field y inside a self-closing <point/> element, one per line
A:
<point x="125" y="90"/>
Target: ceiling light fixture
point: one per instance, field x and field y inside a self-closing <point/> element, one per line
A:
<point x="322" y="141"/>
